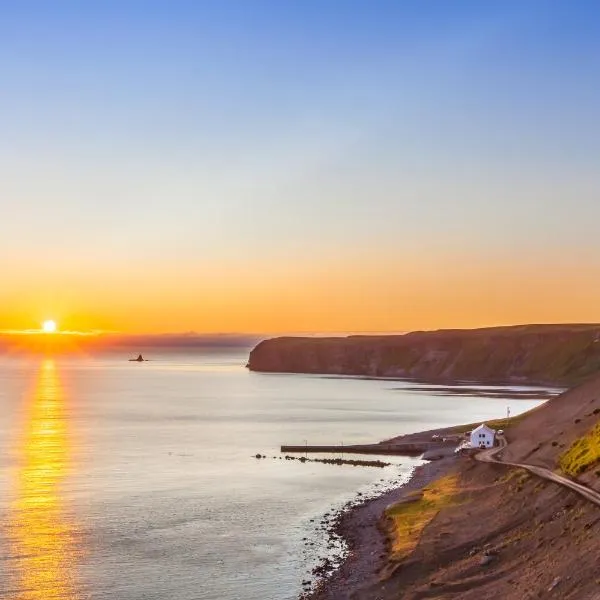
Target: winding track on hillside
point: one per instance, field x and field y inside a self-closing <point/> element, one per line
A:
<point x="490" y="456"/>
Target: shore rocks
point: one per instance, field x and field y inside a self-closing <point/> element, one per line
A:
<point x="487" y="559"/>
<point x="358" y="525"/>
<point x="554" y="583"/>
<point x="333" y="461"/>
<point x="439" y="453"/>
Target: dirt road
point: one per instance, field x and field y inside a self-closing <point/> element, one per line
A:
<point x="494" y="455"/>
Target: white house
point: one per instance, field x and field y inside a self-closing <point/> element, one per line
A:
<point x="482" y="437"/>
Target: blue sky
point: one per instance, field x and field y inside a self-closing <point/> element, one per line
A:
<point x="224" y="138"/>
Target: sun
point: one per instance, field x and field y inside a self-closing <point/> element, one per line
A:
<point x="49" y="326"/>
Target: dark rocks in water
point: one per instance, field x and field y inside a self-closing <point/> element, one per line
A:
<point x="140" y="358"/>
<point x="339" y="461"/>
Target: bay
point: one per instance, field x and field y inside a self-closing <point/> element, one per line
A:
<point x="138" y="481"/>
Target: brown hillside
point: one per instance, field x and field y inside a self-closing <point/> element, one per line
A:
<point x="542" y="540"/>
<point x="548" y="432"/>
<point x="507" y="533"/>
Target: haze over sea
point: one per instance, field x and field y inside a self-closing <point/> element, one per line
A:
<point x="137" y="481"/>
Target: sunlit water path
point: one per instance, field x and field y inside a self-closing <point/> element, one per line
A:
<point x="137" y="481"/>
<point x="41" y="533"/>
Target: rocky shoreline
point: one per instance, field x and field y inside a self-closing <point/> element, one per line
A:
<point x="360" y="527"/>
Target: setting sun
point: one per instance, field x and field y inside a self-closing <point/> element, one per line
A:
<point x="49" y="326"/>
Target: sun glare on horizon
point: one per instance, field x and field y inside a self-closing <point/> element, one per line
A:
<point x="49" y="326"/>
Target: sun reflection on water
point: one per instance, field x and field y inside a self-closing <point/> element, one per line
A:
<point x="43" y="538"/>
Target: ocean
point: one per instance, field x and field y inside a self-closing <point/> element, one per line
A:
<point x="135" y="481"/>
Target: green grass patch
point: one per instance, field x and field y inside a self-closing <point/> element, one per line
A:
<point x="520" y="475"/>
<point x="583" y="453"/>
<point x="409" y="519"/>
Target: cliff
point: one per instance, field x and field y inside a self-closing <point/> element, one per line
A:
<point x="548" y="354"/>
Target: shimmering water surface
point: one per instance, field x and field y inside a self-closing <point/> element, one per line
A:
<point x="137" y="481"/>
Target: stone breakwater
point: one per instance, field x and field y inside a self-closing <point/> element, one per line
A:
<point x="397" y="449"/>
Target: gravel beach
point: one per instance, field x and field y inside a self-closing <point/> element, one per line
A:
<point x="360" y="527"/>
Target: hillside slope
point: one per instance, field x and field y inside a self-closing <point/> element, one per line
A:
<point x="508" y="534"/>
<point x="547" y="433"/>
<point x="549" y="354"/>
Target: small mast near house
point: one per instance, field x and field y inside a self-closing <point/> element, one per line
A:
<point x="483" y="437"/>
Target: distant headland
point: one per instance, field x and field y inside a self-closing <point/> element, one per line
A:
<point x="561" y="355"/>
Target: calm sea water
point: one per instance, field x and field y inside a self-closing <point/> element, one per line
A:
<point x="137" y="481"/>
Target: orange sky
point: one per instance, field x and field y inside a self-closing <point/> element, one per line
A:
<point x="353" y="294"/>
<point x="299" y="168"/>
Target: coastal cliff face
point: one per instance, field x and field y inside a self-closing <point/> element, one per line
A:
<point x="550" y="354"/>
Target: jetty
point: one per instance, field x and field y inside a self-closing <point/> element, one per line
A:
<point x="407" y="449"/>
<point x="435" y="443"/>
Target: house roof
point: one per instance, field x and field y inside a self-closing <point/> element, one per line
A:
<point x="483" y="427"/>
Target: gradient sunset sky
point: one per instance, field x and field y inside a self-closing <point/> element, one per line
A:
<point x="299" y="165"/>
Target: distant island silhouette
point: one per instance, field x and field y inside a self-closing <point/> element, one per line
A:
<point x="140" y="358"/>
